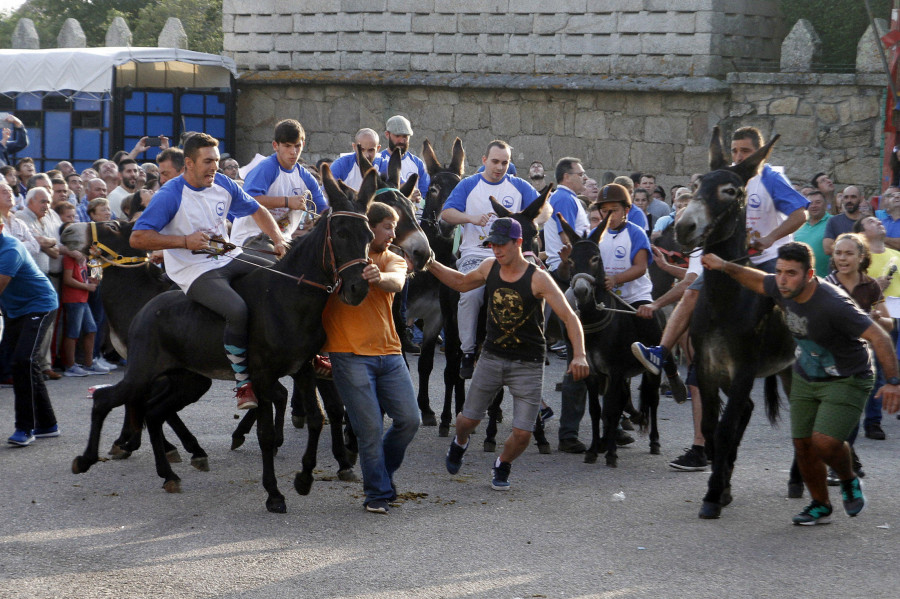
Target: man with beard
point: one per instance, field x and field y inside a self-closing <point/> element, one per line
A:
<point x="346" y="168"/>
<point x="843" y="222"/>
<point x="397" y="132"/>
<point x="128" y="171"/>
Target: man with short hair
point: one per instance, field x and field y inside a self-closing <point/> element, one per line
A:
<point x="812" y="232"/>
<point x="591" y="190"/>
<point x="230" y="168"/>
<point x="25" y="171"/>
<point x="569" y="183"/>
<point x="647" y="181"/>
<point x="657" y="207"/>
<point x="189" y="215"/>
<point x="76" y="187"/>
<point x="65" y="167"/>
<point x="537" y="175"/>
<point x="60" y="191"/>
<point x="128" y="172"/>
<point x="281" y="185"/>
<point x="824" y="184"/>
<point x="851" y="199"/>
<point x="346" y="168"/>
<point x="398" y="130"/>
<point x="469" y="205"/>
<point x="833" y="373"/>
<point x="109" y="172"/>
<point x="171" y="164"/>
<point x="96" y="188"/>
<point x="12" y="139"/>
<point x="891" y="218"/>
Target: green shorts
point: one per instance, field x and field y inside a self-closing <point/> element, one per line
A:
<point x="830" y="407"/>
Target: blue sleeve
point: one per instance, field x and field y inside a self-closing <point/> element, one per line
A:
<point x="460" y="193"/>
<point x="881" y="215"/>
<point x="242" y="204"/>
<point x="637" y="216"/>
<point x="261" y="177"/>
<point x="381" y="162"/>
<point x="529" y="193"/>
<point x="341" y="167"/>
<point x="10" y="259"/>
<point x="162" y="207"/>
<point x="512" y="168"/>
<point x="786" y="198"/>
<point x="566" y="208"/>
<point x="640" y="241"/>
<point x="662" y="223"/>
<point x="480" y="169"/>
<point x="19" y="140"/>
<point x="424" y="178"/>
<point x="315" y="189"/>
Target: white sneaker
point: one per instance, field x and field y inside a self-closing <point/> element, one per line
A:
<point x="95" y="369"/>
<point x="75" y="370"/>
<point x="105" y="364"/>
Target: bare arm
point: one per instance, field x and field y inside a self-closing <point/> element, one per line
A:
<point x="892" y="242"/>
<point x="267" y="224"/>
<point x="455" y="217"/>
<point x="458" y="281"/>
<point x="750" y="278"/>
<point x="544" y="287"/>
<point x="391" y="280"/>
<point x="669" y="297"/>
<point x="4" y="281"/>
<point x="884" y="352"/>
<point x="664" y="265"/>
<point x="828" y="245"/>
<point x="291" y="202"/>
<point x="880" y="316"/>
<point x="147" y="239"/>
<point x="69" y="281"/>
<point x="635" y="271"/>
<point x="793" y="222"/>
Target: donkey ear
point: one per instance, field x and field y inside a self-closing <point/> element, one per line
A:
<point x="361" y="160"/>
<point x="432" y="165"/>
<point x="336" y="196"/>
<point x="393" y="169"/>
<point x="499" y="209"/>
<point x="458" y="159"/>
<point x="597" y="233"/>
<point x="567" y="228"/>
<point x="717" y="158"/>
<point x="534" y="208"/>
<point x="749" y="167"/>
<point x="368" y="187"/>
<point x="408" y="187"/>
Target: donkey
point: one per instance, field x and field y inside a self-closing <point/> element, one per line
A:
<point x="173" y="334"/>
<point x="608" y="336"/>
<point x="737" y="335"/>
<point x="434" y="303"/>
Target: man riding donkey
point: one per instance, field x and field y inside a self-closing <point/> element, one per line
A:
<point x="186" y="219"/>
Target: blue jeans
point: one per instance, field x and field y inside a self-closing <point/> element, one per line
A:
<point x="367" y="385"/>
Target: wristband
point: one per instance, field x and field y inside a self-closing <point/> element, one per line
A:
<point x="893" y="380"/>
<point x="286" y="202"/>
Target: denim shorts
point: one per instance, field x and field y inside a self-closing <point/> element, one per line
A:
<point x="525" y="381"/>
<point x="79" y="320"/>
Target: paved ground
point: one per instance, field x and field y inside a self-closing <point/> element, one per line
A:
<point x="113" y="532"/>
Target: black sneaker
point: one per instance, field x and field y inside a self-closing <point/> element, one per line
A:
<point x="467" y="366"/>
<point x="455" y="457"/>
<point x="874" y="431"/>
<point x="832" y="479"/>
<point x="851" y="493"/>
<point x="377" y="506"/>
<point x="692" y="460"/>
<point x="546" y="414"/>
<point x="500" y="481"/>
<point x="572" y="446"/>
<point x="814" y="513"/>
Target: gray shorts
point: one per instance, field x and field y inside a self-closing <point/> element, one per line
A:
<point x="524" y="380"/>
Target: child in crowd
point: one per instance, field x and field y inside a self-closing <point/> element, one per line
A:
<point x="79" y="322"/>
<point x="99" y="210"/>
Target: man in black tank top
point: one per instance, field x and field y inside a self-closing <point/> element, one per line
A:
<point x="513" y="353"/>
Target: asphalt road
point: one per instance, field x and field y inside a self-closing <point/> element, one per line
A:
<point x="560" y="532"/>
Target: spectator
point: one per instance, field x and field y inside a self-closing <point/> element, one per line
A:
<point x="98" y="210"/>
<point x="398" y="130"/>
<point x="591" y="190"/>
<point x="537" y="175"/>
<point x="60" y="191"/>
<point x="171" y="164"/>
<point x="843" y="222"/>
<point x="96" y="188"/>
<point x="128" y="173"/>
<point x="891" y="218"/>
<point x="642" y="202"/>
<point x="25" y="171"/>
<point x="76" y="286"/>
<point x="76" y="188"/>
<point x="823" y="183"/>
<point x="346" y="168"/>
<point x="151" y="168"/>
<point x="812" y="233"/>
<point x="230" y="168"/>
<point x="109" y="172"/>
<point x="12" y="140"/>
<point x="15" y="227"/>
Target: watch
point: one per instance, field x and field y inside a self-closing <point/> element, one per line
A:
<point x="894" y="380"/>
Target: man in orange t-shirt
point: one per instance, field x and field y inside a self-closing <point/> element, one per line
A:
<point x="368" y="367"/>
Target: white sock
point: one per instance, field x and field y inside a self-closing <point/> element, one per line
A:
<point x="458" y="444"/>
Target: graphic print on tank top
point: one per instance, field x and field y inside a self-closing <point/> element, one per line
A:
<point x="508" y="313"/>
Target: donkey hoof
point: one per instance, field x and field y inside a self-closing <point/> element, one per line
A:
<point x="236" y="441"/>
<point x="795" y="490"/>
<point x="302" y="483"/>
<point x="352" y="456"/>
<point x="80" y="465"/>
<point x="726" y="496"/>
<point x="347" y="475"/>
<point x="544" y="448"/>
<point x="118" y="453"/>
<point x="428" y="419"/>
<point x="444" y="430"/>
<point x="173" y="457"/>
<point x="276" y="505"/>
<point x="590" y="457"/>
<point x="201" y="464"/>
<point x="654" y="449"/>
<point x="710" y="510"/>
<point x="612" y="461"/>
<point x="490" y="446"/>
<point x="297" y="421"/>
<point x="172" y="486"/>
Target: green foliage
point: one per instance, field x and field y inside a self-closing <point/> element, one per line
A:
<point x="202" y="20"/>
<point x="839" y="23"/>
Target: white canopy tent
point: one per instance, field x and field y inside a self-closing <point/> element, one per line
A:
<point x="95" y="71"/>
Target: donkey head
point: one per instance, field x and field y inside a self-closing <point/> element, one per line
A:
<point x="444" y="180"/>
<point x="531" y="218"/>
<point x="585" y="264"/>
<point x="114" y="234"/>
<point x="719" y="196"/>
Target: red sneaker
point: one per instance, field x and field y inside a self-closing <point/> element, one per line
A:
<point x="246" y="399"/>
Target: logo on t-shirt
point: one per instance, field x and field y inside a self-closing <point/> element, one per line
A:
<point x="754" y="201"/>
<point x="620" y="251"/>
<point x="220" y="208"/>
<point x="797" y="325"/>
<point x="507" y="201"/>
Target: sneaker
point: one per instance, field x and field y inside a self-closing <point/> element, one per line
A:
<point x="46" y="432"/>
<point x="650" y="357"/>
<point x="832" y="479"/>
<point x="105" y="363"/>
<point x="95" y="369"/>
<point x="75" y="370"/>
<point x="857" y="465"/>
<point x="500" y="480"/>
<point x="558" y="346"/>
<point x="814" y="513"/>
<point x="246" y="399"/>
<point x="571" y="446"/>
<point x="377" y="506"/>
<point x="874" y="431"/>
<point x="692" y="460"/>
<point x="851" y="493"/>
<point x="467" y="366"/>
<point x="21" y="438"/>
<point x="546" y="414"/>
<point x="455" y="457"/>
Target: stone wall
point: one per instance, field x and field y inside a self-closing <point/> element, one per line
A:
<point x="580" y="37"/>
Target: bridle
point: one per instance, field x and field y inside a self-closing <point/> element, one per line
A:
<point x="608" y="313"/>
<point x="108" y="257"/>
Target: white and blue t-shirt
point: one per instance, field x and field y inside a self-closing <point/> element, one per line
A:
<point x="618" y="249"/>
<point x="347" y="170"/>
<point x="180" y="209"/>
<point x="269" y="178"/>
<point x="472" y="196"/>
<point x="409" y="164"/>
<point x="565" y="202"/>
<point x="770" y="199"/>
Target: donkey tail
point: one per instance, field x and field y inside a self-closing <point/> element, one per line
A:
<point x="773" y="400"/>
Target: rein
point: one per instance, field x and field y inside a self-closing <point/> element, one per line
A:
<point x="116" y="258"/>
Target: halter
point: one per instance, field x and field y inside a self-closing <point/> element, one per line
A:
<point x="606" y="320"/>
<point x="116" y="258"/>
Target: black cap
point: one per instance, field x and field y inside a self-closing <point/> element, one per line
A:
<point x="503" y="231"/>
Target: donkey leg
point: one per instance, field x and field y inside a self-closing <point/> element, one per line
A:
<point x="725" y="442"/>
<point x="613" y="402"/>
<point x="191" y="388"/>
<point x="426" y="365"/>
<point x="280" y="402"/>
<point x="104" y="401"/>
<point x="649" y="407"/>
<point x="265" y="434"/>
<point x="596" y="413"/>
<point x="334" y="408"/>
<point x="303" y="480"/>
<point x="155" y="420"/>
<point x="243" y="429"/>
